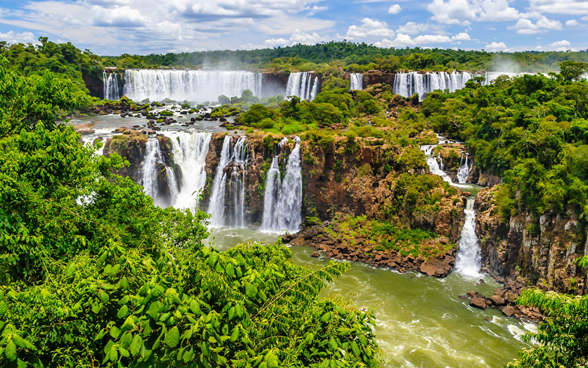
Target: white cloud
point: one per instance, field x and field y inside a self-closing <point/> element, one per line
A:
<point x="452" y="11"/>
<point x="584" y="18"/>
<point x="496" y="11"/>
<point x="394" y="9"/>
<point x="496" y="46"/>
<point x="573" y="7"/>
<point x="123" y="16"/>
<point x="525" y="26"/>
<point x="572" y="23"/>
<point x="24" y="37"/>
<point x="560" y="43"/>
<point x="412" y="28"/>
<point x="403" y="40"/>
<point x="297" y="37"/>
<point x="369" y="28"/>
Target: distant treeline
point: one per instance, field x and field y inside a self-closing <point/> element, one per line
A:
<point x="356" y="57"/>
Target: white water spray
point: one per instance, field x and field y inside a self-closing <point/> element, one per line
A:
<point x="302" y="85"/>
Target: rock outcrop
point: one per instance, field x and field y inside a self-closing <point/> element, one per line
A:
<point x="543" y="250"/>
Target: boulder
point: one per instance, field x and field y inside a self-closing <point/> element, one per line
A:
<point x="497" y="300"/>
<point x="472" y="294"/>
<point x="478" y="303"/>
<point x="316" y="254"/>
<point x="508" y="311"/>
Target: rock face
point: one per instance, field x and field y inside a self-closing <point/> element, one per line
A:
<point x="377" y="77"/>
<point x="542" y="250"/>
<point x="132" y="145"/>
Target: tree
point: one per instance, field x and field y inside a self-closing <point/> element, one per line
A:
<point x="573" y="70"/>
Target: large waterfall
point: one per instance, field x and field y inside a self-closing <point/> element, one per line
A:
<point x="302" y="85"/>
<point x="464" y="169"/>
<point x="407" y="84"/>
<point x="356" y="81"/>
<point x="192" y="85"/>
<point x="189" y="152"/>
<point x="283" y="199"/>
<point x="233" y="160"/>
<point x="111" y="86"/>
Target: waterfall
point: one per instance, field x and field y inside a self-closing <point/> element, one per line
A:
<point x="153" y="157"/>
<point x="434" y="164"/>
<point x="237" y="157"/>
<point x="111" y="86"/>
<point x="283" y="200"/>
<point x="302" y="85"/>
<point x="192" y="85"/>
<point x="189" y="150"/>
<point x="356" y="81"/>
<point x="407" y="84"/>
<point x="464" y="170"/>
<point x="469" y="259"/>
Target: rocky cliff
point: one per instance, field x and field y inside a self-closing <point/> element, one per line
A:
<point x="543" y="250"/>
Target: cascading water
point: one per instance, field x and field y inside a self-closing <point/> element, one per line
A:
<point x="237" y="157"/>
<point x="407" y="84"/>
<point x="189" y="150"/>
<point x="302" y="85"/>
<point x="283" y="200"/>
<point x="464" y="170"/>
<point x="153" y="159"/>
<point x="111" y="86"/>
<point x="469" y="259"/>
<point x="356" y="81"/>
<point x="193" y="85"/>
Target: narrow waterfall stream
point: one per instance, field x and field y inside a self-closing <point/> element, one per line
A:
<point x="152" y="164"/>
<point x="355" y="81"/>
<point x="282" y="209"/>
<point x="235" y="155"/>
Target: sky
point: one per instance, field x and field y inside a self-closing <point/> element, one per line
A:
<point x="114" y="27"/>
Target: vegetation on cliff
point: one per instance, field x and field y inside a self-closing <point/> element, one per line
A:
<point x="93" y="274"/>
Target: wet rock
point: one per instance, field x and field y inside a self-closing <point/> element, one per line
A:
<point x="508" y="311"/>
<point x="480" y="282"/>
<point x="316" y="254"/>
<point x="497" y="300"/>
<point x="478" y="303"/>
<point x="472" y="294"/>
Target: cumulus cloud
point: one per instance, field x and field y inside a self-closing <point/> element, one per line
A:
<point x="465" y="11"/>
<point x="123" y="16"/>
<point x="573" y="7"/>
<point x="297" y="37"/>
<point x="369" y="28"/>
<point x="412" y="28"/>
<point x="560" y="43"/>
<point x="394" y="9"/>
<point x="496" y="46"/>
<point x="403" y="40"/>
<point x="572" y="23"/>
<point x="13" y="37"/>
<point x="525" y="26"/>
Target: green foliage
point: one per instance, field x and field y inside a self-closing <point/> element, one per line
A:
<point x="93" y="274"/>
<point x="573" y="70"/>
<point x="563" y="336"/>
<point x="529" y="130"/>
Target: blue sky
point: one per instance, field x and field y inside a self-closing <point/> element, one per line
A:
<point x="112" y="27"/>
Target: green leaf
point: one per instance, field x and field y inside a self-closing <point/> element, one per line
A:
<point x="355" y="348"/>
<point x="71" y="269"/>
<point x="230" y="270"/>
<point x="272" y="360"/>
<point x="114" y="332"/>
<point x="136" y="345"/>
<point x="103" y="296"/>
<point x="10" y="351"/>
<point x="332" y="344"/>
<point x="251" y="291"/>
<point x="154" y="309"/>
<point x="231" y="313"/>
<point x="19" y="341"/>
<point x="363" y="340"/>
<point x="173" y="337"/>
<point x="123" y="312"/>
<point x="113" y="355"/>
<point x="235" y="334"/>
<point x="3" y="308"/>
<point x="195" y="307"/>
<point x="326" y="317"/>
